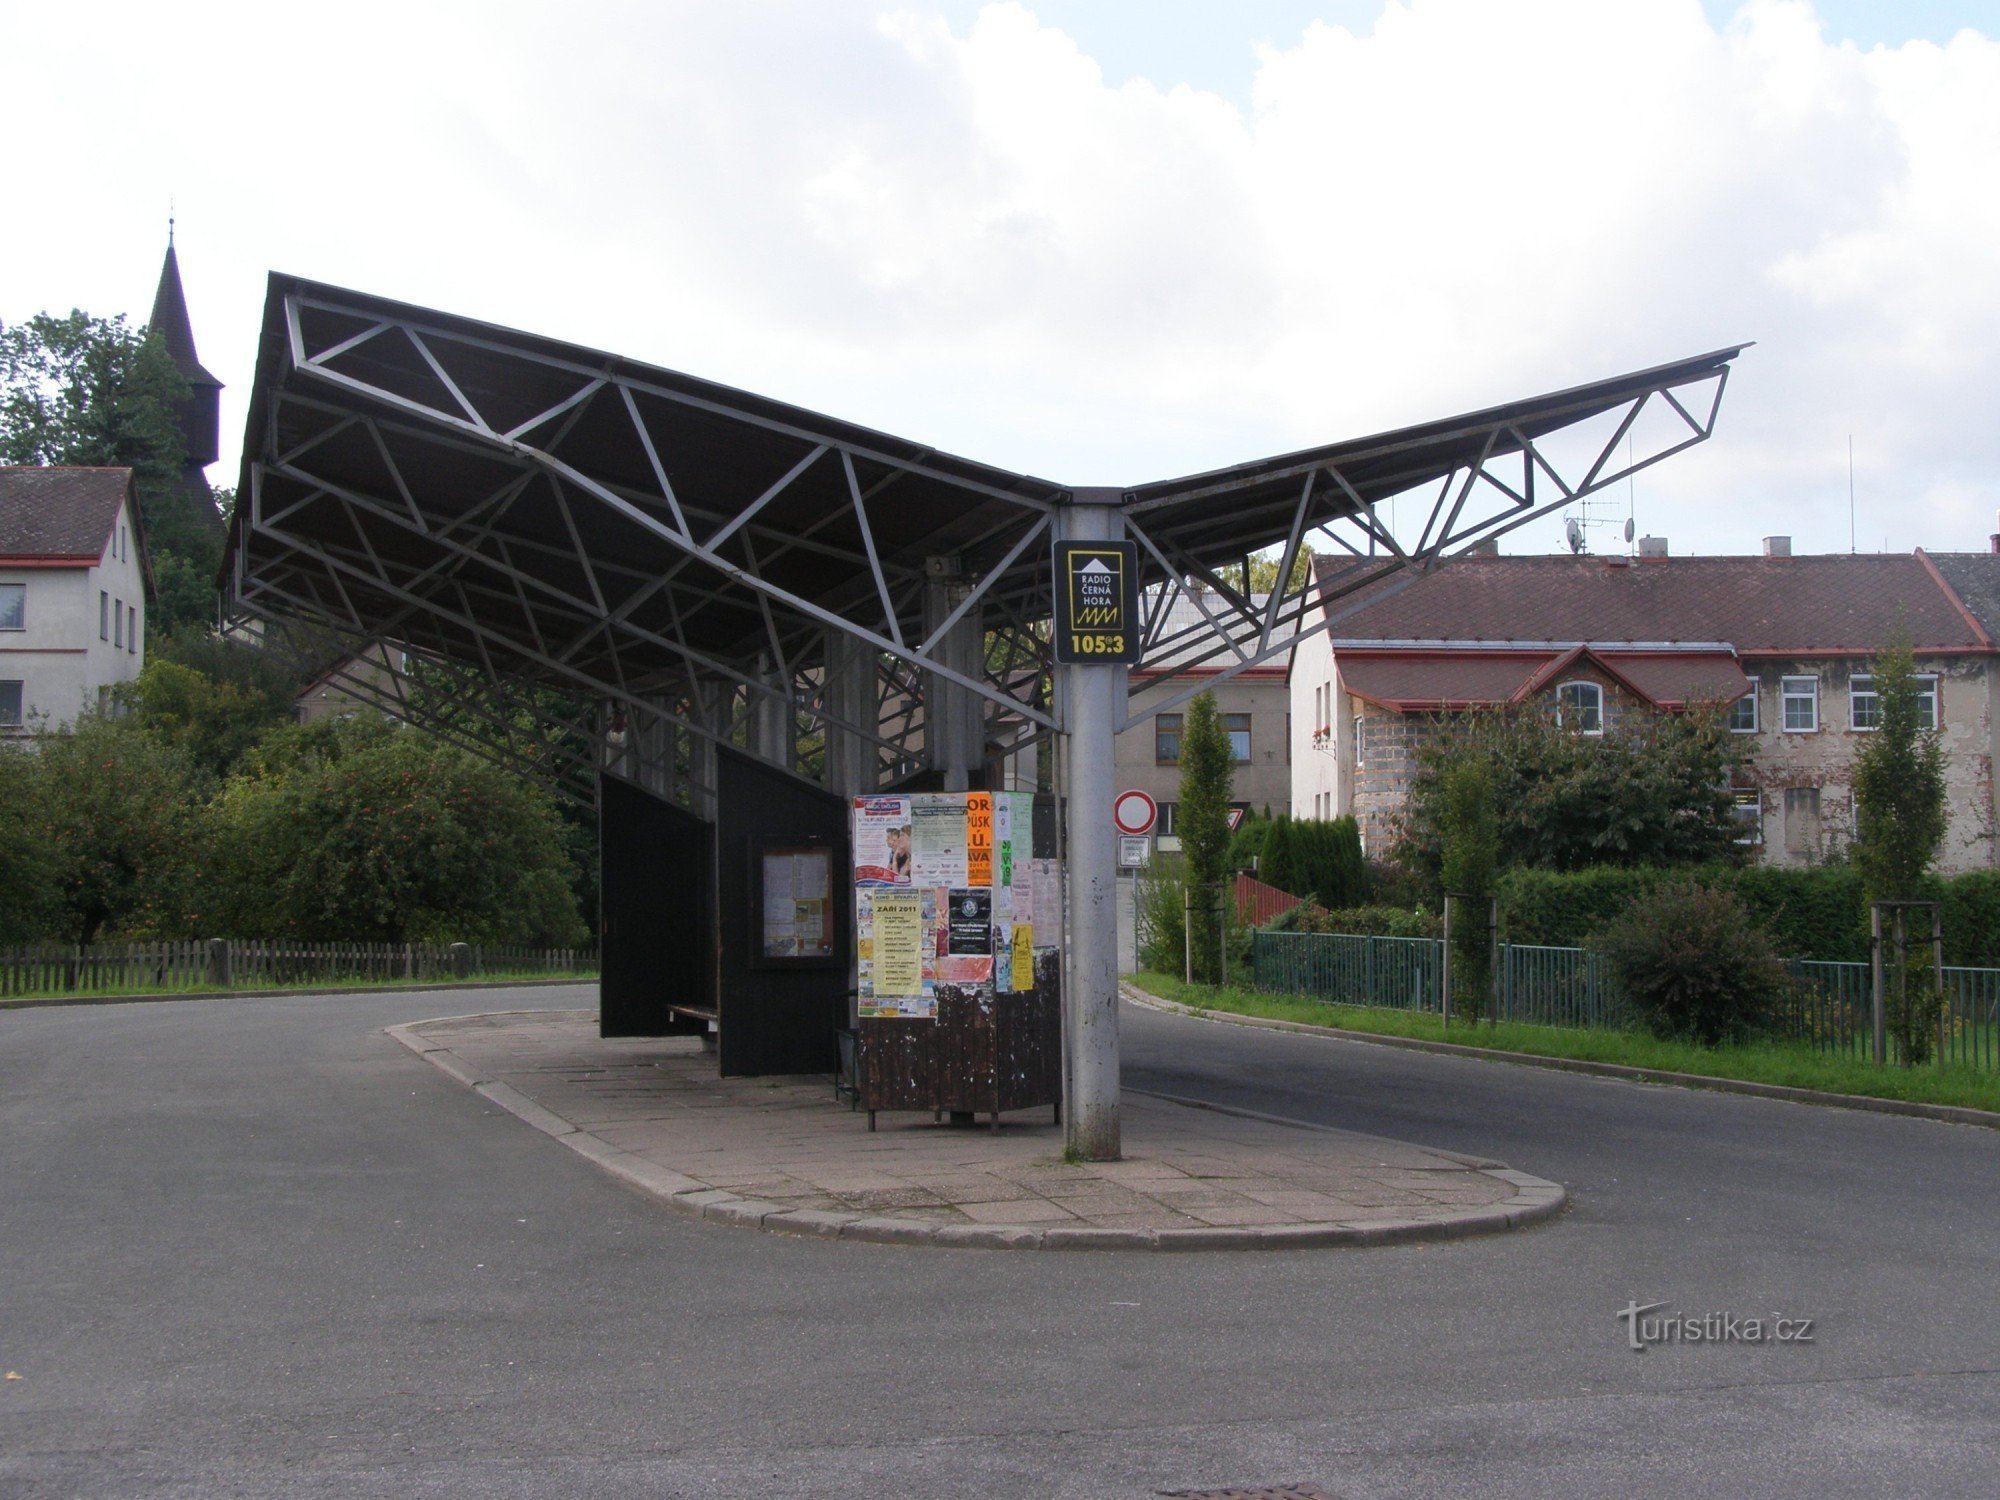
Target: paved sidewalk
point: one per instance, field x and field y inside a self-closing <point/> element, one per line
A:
<point x="780" y="1154"/>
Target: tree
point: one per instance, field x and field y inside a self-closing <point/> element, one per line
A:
<point x="84" y="390"/>
<point x="1278" y="864"/>
<point x="1207" y="777"/>
<point x="1899" y="824"/>
<point x="1693" y="964"/>
<point x="1264" y="571"/>
<point x="367" y="832"/>
<point x="1469" y="833"/>
<point x="121" y="812"/>
<point x="211" y="716"/>
<point x="27" y="858"/>
<point x="1651" y="790"/>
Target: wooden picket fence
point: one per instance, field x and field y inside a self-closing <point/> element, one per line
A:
<point x="235" y="963"/>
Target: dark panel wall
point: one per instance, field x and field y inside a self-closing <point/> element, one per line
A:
<point x="657" y="905"/>
<point x="777" y="1020"/>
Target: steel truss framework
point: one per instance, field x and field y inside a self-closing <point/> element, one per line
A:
<point x="700" y="565"/>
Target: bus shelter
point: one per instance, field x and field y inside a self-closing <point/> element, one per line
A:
<point x="719" y="619"/>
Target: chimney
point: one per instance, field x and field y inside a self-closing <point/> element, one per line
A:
<point x="1995" y="538"/>
<point x="1491" y="548"/>
<point x="1777" y="546"/>
<point x="1652" y="547"/>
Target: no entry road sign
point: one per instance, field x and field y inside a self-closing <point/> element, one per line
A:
<point x="1134" y="812"/>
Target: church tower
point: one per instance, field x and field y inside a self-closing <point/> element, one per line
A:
<point x="200" y="416"/>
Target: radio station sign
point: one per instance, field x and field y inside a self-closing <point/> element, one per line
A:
<point x="1097" y="602"/>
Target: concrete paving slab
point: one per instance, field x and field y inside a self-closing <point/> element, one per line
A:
<point x="781" y="1155"/>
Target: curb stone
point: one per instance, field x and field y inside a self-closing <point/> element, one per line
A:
<point x="1534" y="1200"/>
<point x="40" y="1002"/>
<point x="1949" y="1114"/>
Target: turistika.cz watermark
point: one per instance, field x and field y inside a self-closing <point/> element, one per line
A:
<point x="1646" y="1325"/>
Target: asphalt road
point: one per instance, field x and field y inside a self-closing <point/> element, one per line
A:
<point x="253" y="1247"/>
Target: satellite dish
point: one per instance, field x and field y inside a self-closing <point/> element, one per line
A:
<point x="1573" y="533"/>
<point x="1628" y="531"/>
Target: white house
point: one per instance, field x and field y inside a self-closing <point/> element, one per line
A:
<point x="73" y="581"/>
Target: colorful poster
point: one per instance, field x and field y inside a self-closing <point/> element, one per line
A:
<point x="978" y="839"/>
<point x="864" y="947"/>
<point x="1022" y="976"/>
<point x="881" y="841"/>
<point x="938" y="854"/>
<point x="1048" y="903"/>
<point x="966" y="969"/>
<point x="970" y="929"/>
<point x="899" y="943"/>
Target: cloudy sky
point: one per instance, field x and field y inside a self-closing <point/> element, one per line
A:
<point x="1103" y="241"/>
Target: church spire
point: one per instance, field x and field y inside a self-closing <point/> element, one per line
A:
<point x="200" y="416"/>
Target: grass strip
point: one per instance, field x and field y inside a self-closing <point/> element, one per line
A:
<point x="1789" y="1064"/>
<point x="319" y="982"/>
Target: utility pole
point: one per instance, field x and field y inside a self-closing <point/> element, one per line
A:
<point x="1094" y="697"/>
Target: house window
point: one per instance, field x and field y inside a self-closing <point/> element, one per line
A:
<point x="1167" y="739"/>
<point x="1743" y="714"/>
<point x="1800" y="697"/>
<point x="1747" y="807"/>
<point x="1168" y="819"/>
<point x="1802" y="820"/>
<point x="132" y="628"/>
<point x="1237" y="727"/>
<point x="1864" y="704"/>
<point x="1580" y="706"/>
<point x="103" y="616"/>
<point x="1864" y="707"/>
<point x="117" y="622"/>
<point x="10" y="705"/>
<point x="13" y="606"/>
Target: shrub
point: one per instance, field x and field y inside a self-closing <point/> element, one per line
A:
<point x="1161" y="932"/>
<point x="1366" y="921"/>
<point x="1693" y="965"/>
<point x="1247" y="843"/>
<point x="1279" y="867"/>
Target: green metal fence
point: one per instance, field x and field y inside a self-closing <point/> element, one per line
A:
<point x="1829" y="1006"/>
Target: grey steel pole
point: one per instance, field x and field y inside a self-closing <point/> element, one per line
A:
<point x="1444" y="969"/>
<point x="1875" y="981"/>
<point x="1090" y="1002"/>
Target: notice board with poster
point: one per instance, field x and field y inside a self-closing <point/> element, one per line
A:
<point x="957" y="978"/>
<point x="794" y="888"/>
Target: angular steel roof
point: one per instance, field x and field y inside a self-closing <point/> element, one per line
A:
<point x="563" y="515"/>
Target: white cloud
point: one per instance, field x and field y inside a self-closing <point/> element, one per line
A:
<point x="972" y="239"/>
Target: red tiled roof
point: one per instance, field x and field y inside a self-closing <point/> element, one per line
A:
<point x="1674" y="679"/>
<point x="1414" y="681"/>
<point x="59" y="514"/>
<point x="1799" y="605"/>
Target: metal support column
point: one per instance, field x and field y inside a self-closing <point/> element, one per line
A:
<point x="954" y="719"/>
<point x="850" y="696"/>
<point x="1094" y="698"/>
<point x="773" y="730"/>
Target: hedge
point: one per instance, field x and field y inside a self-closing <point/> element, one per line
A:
<point x="1816" y="913"/>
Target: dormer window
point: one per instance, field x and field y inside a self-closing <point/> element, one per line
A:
<point x="1580" y="706"/>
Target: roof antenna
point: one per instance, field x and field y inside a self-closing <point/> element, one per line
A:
<point x="1850" y="494"/>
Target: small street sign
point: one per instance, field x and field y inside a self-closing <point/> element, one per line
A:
<point x="1134" y="852"/>
<point x="1236" y="812"/>
<point x="1097" y="602"/>
<point x="1135" y="811"/>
